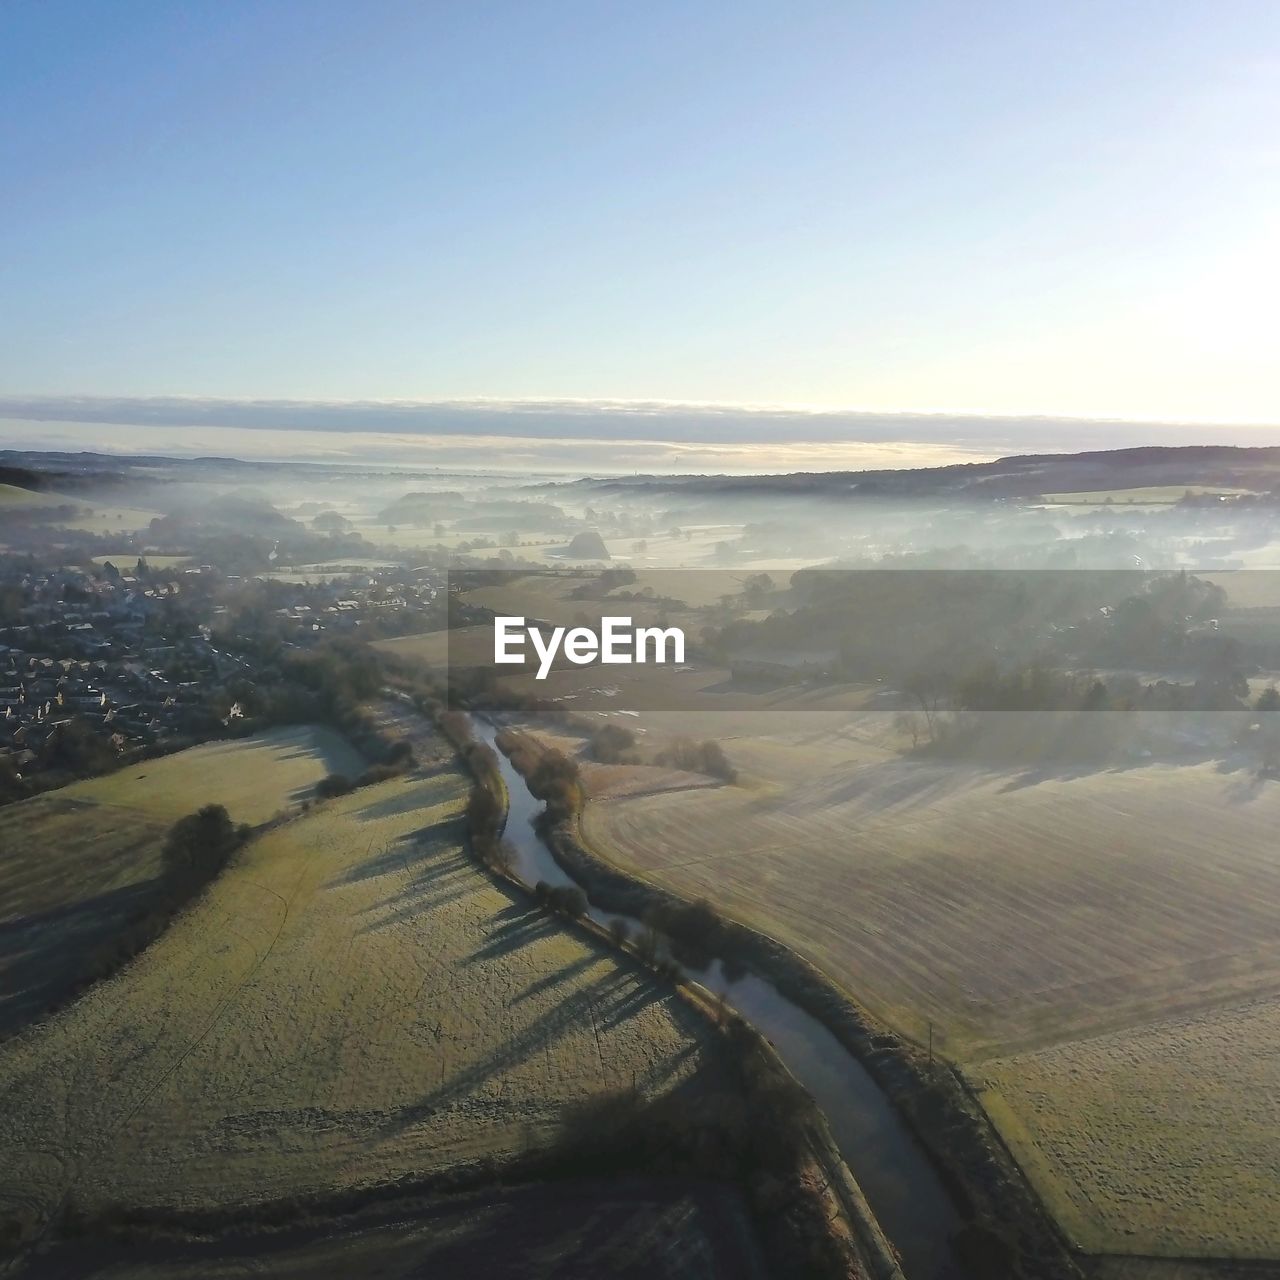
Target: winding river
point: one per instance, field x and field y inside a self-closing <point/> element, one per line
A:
<point x="900" y="1184"/>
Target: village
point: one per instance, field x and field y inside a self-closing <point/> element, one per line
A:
<point x="101" y="665"/>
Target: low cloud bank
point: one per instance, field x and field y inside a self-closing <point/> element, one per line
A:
<point x="613" y="436"/>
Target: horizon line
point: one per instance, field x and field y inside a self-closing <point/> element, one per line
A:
<point x="143" y="410"/>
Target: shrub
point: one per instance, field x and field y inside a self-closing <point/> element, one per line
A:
<point x="198" y="847"/>
<point x="333" y="784"/>
<point x="613" y="744"/>
<point x="376" y="773"/>
<point x="568" y="900"/>
<point x="698" y="757"/>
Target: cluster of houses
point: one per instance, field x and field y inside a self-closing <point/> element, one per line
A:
<point x="99" y="652"/>
<point x="368" y="602"/>
<point x="131" y="656"/>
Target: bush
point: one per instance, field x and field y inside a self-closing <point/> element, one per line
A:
<point x="698" y="757"/>
<point x="376" y="773"/>
<point x="333" y="784"/>
<point x="697" y="934"/>
<point x="613" y="744"/>
<point x="198" y="847"/>
<point x="565" y="900"/>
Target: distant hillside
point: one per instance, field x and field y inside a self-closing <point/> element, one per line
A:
<point x="1019" y="476"/>
<point x="19" y="478"/>
<point x="15" y="497"/>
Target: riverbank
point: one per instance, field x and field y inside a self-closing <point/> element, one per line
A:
<point x="1006" y="1232"/>
<point x="834" y="1204"/>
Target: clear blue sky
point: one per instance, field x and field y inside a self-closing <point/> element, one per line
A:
<point x="984" y="207"/>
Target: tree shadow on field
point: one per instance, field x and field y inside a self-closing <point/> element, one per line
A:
<point x="300" y="795"/>
<point x="887" y="785"/>
<point x="617" y="992"/>
<point x="553" y="980"/>
<point x="1034" y="775"/>
<point x="434" y="886"/>
<point x="308" y="743"/>
<point x="516" y="926"/>
<point x="425" y="880"/>
<point x="421" y="846"/>
<point x="615" y="1226"/>
<point x="1075" y="770"/>
<point x="1247" y="782"/>
<point x="626" y="998"/>
<point x="410" y="795"/>
<point x="46" y="955"/>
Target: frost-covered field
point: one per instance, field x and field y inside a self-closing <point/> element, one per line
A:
<point x="1085" y="942"/>
<point x="76" y="863"/>
<point x="351" y="1000"/>
<point x="1159" y="1138"/>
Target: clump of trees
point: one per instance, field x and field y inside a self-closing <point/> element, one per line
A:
<point x="341" y="784"/>
<point x="325" y="685"/>
<point x="197" y="848"/>
<point x="698" y="757"/>
<point x="1036" y="687"/>
<point x="485" y="812"/>
<point x="333" y="784"/>
<point x="564" y="900"/>
<point x="549" y="774"/>
<point x="695" y="932"/>
<point x="383" y="772"/>
<point x="757" y="588"/>
<point x="73" y="750"/>
<point x="613" y="744"/>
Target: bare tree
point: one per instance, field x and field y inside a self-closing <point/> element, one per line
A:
<point x="930" y="695"/>
<point x="908" y="722"/>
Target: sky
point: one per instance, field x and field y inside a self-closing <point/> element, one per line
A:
<point x="982" y="210"/>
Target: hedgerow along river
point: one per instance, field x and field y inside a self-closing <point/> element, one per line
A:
<point x="901" y="1186"/>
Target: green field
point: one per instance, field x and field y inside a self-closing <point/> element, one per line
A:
<point x="90" y="517"/>
<point x="350" y="1001"/>
<point x="78" y="862"/>
<point x="94" y="517"/>
<point x="468" y="646"/>
<point x="254" y="777"/>
<point x="12" y="495"/>
<point x="1160" y="1136"/>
